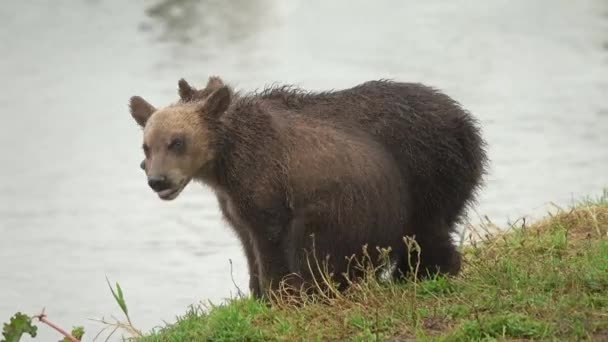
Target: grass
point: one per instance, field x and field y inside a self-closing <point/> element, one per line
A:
<point x="542" y="281"/>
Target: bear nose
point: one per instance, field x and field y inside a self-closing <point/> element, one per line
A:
<point x="158" y="183"/>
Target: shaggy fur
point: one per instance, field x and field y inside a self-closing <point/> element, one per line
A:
<point x="297" y="172"/>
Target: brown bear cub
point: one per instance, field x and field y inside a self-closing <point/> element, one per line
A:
<point x="300" y="174"/>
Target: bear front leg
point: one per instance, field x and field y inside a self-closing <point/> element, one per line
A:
<point x="252" y="263"/>
<point x="244" y="236"/>
<point x="273" y="265"/>
<point x="306" y="245"/>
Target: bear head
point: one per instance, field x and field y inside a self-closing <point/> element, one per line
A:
<point x="179" y="140"/>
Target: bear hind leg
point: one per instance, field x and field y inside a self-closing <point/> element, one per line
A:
<point x="437" y="253"/>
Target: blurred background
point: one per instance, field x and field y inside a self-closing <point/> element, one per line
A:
<point x="75" y="207"/>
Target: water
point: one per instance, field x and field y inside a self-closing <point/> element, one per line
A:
<point x="74" y="204"/>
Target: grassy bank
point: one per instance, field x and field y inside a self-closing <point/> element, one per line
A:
<point x="546" y="280"/>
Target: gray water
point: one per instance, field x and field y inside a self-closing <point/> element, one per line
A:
<point x="74" y="205"/>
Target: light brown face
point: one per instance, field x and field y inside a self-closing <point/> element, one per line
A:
<point x="176" y="147"/>
<point x="177" y="142"/>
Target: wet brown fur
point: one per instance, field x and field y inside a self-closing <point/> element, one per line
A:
<point x="341" y="169"/>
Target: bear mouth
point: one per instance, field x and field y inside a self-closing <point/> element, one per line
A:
<point x="171" y="194"/>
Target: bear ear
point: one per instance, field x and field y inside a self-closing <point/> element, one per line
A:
<point x="214" y="83"/>
<point x="217" y="103"/>
<point x="186" y="92"/>
<point x="140" y="110"/>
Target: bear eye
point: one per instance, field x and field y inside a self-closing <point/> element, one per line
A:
<point x="146" y="150"/>
<point x="176" y="144"/>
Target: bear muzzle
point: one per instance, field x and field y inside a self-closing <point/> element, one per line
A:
<point x="166" y="189"/>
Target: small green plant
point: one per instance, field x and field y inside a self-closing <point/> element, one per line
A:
<point x="21" y="324"/>
<point x="117" y="324"/>
<point x="18" y="325"/>
<point x="77" y="332"/>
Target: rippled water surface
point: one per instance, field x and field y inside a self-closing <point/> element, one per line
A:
<point x="74" y="206"/>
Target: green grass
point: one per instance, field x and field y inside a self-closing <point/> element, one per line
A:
<point x="542" y="281"/>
